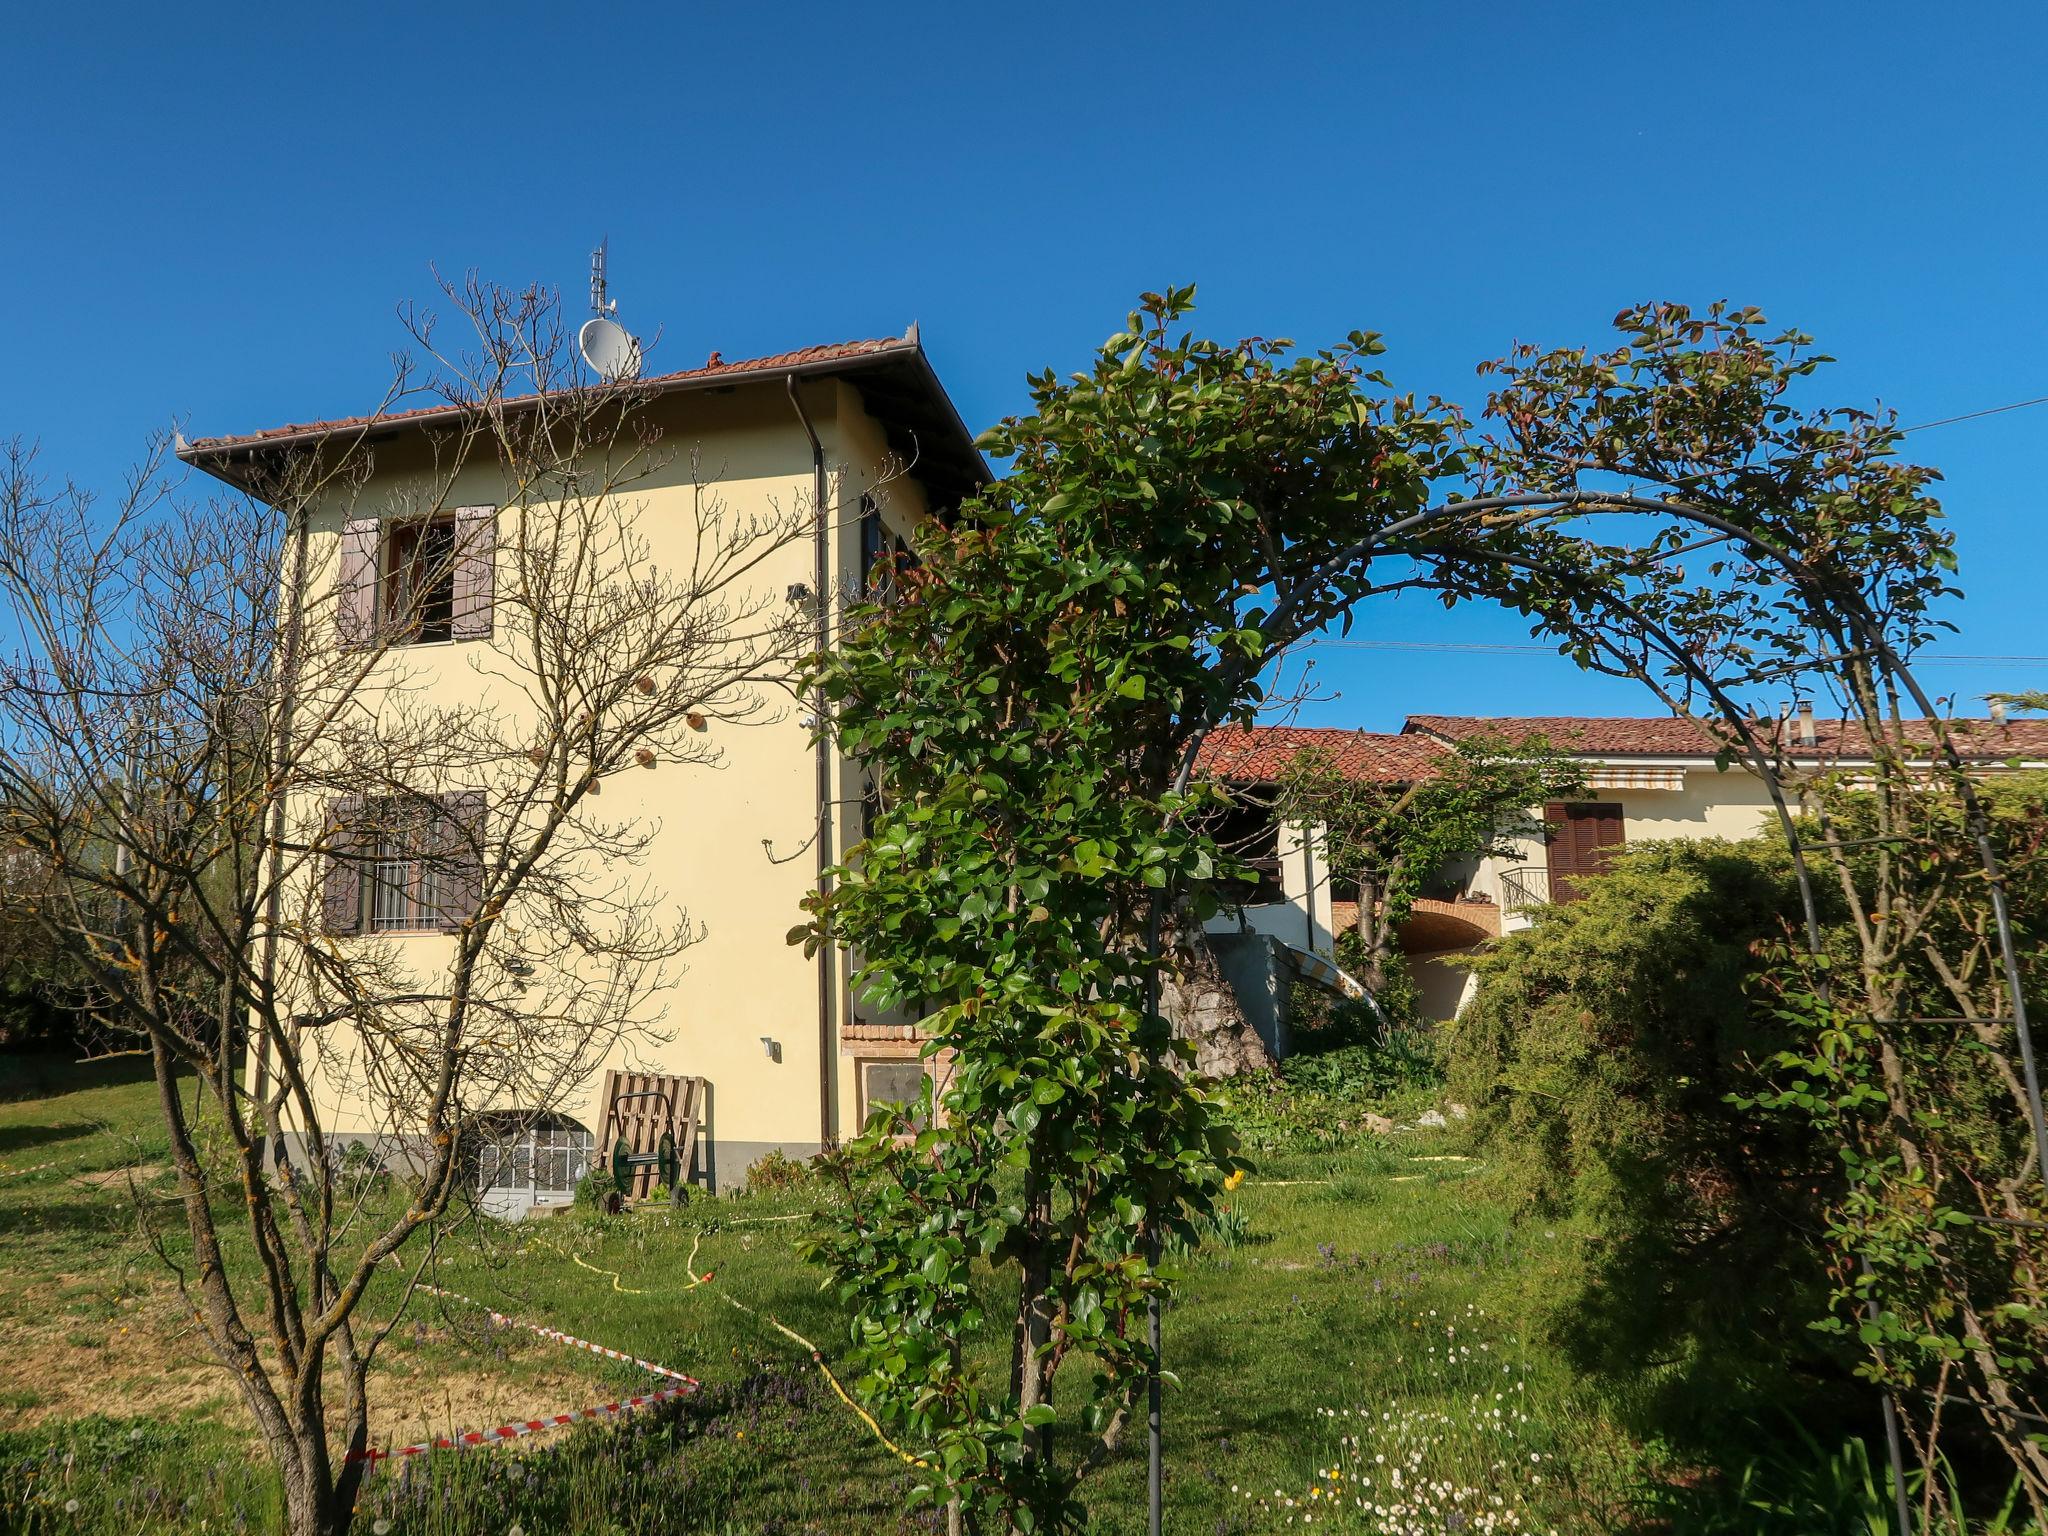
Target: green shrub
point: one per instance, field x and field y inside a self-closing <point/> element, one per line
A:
<point x="1599" y="1059"/>
<point x="1393" y="1062"/>
<point x="776" y="1170"/>
<point x="595" y="1189"/>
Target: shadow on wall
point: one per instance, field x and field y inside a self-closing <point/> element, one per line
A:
<point x="1443" y="984"/>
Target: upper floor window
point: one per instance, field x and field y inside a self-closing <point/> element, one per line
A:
<point x="417" y="580"/>
<point x="1248" y="830"/>
<point x="416" y="588"/>
<point x="879" y="548"/>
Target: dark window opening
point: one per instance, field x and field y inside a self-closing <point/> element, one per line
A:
<point x="418" y="586"/>
<point x="1249" y="833"/>
<point x="883" y="557"/>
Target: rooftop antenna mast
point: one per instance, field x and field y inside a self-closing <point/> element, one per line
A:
<point x="607" y="346"/>
<point x="598" y="305"/>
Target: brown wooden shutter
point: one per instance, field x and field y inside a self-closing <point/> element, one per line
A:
<point x="476" y="571"/>
<point x="355" y="609"/>
<point x="1582" y="838"/>
<point x="459" y="856"/>
<point x="341" y="899"/>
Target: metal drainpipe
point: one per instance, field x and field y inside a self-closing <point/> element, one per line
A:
<point x="827" y="955"/>
<point x="1308" y="874"/>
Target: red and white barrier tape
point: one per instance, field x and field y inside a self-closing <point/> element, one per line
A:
<point x="685" y="1385"/>
<point x="520" y="1427"/>
<point x="560" y="1337"/>
<point x="15" y="1173"/>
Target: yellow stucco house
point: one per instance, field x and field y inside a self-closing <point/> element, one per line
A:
<point x="765" y="1048"/>
<point x="1647" y="779"/>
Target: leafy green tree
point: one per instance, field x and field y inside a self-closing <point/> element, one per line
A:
<point x="1388" y="841"/>
<point x="1026" y="701"/>
<point x="1814" y="556"/>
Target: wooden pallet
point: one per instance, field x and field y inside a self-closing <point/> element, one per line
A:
<point x="642" y="1121"/>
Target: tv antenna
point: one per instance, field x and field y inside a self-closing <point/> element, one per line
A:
<point x="611" y="350"/>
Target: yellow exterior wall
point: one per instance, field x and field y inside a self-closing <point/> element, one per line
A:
<point x="740" y="982"/>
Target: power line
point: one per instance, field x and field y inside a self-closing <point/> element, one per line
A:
<point x="1481" y="648"/>
<point x="1994" y="410"/>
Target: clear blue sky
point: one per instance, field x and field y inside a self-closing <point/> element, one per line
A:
<point x="213" y="211"/>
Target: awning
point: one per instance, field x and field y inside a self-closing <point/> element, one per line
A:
<point x="1633" y="776"/>
<point x="1313" y="967"/>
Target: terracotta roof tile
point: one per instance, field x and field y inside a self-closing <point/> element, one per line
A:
<point x="1260" y="754"/>
<point x="717" y="368"/>
<point x="1679" y="736"/>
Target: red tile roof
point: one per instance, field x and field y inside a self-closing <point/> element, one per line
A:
<point x="1260" y="754"/>
<point x="1679" y="736"/>
<point x="715" y="370"/>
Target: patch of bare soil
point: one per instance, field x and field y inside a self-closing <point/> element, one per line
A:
<point x="117" y="1178"/>
<point x="150" y="1359"/>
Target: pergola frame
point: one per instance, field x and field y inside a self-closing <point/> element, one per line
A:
<point x="1854" y="637"/>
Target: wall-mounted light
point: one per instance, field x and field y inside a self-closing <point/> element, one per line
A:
<point x="771" y="1048"/>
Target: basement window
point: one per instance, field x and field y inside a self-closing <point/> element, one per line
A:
<point x="899" y="1081"/>
<point x="546" y="1159"/>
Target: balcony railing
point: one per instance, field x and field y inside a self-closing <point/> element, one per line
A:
<point x="1524" y="886"/>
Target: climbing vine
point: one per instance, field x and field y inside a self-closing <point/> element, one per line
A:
<point x="1025" y="702"/>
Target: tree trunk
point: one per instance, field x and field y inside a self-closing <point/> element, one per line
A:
<point x="1375" y="939"/>
<point x="1034" y="1310"/>
<point x="311" y="1504"/>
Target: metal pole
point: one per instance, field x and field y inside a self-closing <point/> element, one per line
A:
<point x="1155" y="1449"/>
<point x="1894" y="1447"/>
<point x="1155" y="1469"/>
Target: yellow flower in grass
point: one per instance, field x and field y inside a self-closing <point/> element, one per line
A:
<point x="1235" y="1178"/>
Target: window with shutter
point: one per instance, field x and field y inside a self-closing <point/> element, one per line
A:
<point x="405" y="865"/>
<point x="419" y="581"/>
<point x="1582" y="837"/>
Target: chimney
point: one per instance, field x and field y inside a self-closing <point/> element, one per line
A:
<point x="1998" y="711"/>
<point x="1807" y="736"/>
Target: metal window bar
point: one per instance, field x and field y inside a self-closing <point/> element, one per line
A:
<point x="405" y="885"/>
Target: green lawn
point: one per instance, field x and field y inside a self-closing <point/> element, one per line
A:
<point x="1376" y="1304"/>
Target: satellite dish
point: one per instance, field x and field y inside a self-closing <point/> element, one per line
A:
<point x="610" y="349"/>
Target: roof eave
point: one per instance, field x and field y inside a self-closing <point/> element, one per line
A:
<point x="235" y="460"/>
